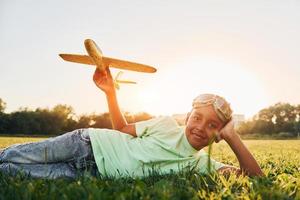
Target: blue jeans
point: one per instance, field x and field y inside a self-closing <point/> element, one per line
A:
<point x="67" y="155"/>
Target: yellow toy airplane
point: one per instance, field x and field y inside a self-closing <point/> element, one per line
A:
<point x="95" y="57"/>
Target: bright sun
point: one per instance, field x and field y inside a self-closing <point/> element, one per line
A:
<point x="172" y="89"/>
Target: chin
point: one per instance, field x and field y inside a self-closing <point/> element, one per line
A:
<point x="196" y="143"/>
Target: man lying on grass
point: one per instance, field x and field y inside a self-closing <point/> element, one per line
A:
<point x="135" y="149"/>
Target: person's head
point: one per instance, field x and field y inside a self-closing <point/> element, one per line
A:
<point x="210" y="113"/>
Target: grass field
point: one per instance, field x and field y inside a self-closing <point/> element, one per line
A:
<point x="279" y="159"/>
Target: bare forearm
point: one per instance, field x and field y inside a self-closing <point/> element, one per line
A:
<point x="117" y="118"/>
<point x="247" y="162"/>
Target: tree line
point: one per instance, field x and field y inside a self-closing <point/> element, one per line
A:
<point x="60" y="119"/>
<point x="281" y="119"/>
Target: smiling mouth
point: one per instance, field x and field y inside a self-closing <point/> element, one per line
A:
<point x="199" y="135"/>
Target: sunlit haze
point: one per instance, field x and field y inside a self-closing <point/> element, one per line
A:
<point x="246" y="52"/>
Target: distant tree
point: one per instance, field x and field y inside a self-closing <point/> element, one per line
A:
<point x="41" y="121"/>
<point x="285" y="117"/>
<point x="2" y="106"/>
<point x="64" y="117"/>
<point x="85" y="121"/>
<point x="63" y="111"/>
<point x="47" y="122"/>
<point x="281" y="117"/>
<point x="60" y="119"/>
<point x="4" y="123"/>
<point x="22" y="122"/>
<point x="102" y="121"/>
<point x="297" y="128"/>
<point x="246" y="127"/>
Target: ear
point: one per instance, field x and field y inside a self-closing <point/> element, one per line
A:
<point x="187" y="117"/>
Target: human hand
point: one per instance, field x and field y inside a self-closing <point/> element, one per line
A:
<point x="104" y="80"/>
<point x="226" y="133"/>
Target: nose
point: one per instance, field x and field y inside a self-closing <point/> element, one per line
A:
<point x="201" y="126"/>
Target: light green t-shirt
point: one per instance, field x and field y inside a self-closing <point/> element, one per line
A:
<point x="161" y="144"/>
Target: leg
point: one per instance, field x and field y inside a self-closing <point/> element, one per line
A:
<point x="63" y="148"/>
<point x="51" y="171"/>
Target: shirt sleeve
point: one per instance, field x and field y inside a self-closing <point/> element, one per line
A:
<point x="216" y="164"/>
<point x="155" y="125"/>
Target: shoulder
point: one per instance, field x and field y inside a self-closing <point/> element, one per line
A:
<point x="166" y="121"/>
<point x="155" y="125"/>
<point x="159" y="121"/>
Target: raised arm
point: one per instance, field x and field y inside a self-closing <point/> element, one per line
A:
<point x="247" y="162"/>
<point x="104" y="81"/>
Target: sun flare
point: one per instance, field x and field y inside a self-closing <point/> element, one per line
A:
<point x="239" y="85"/>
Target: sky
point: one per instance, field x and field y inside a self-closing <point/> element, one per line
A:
<point x="245" y="51"/>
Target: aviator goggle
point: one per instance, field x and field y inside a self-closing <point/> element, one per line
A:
<point x="221" y="106"/>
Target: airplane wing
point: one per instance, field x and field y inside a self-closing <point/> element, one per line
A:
<point x="111" y="62"/>
<point x="123" y="64"/>
<point x="83" y="59"/>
